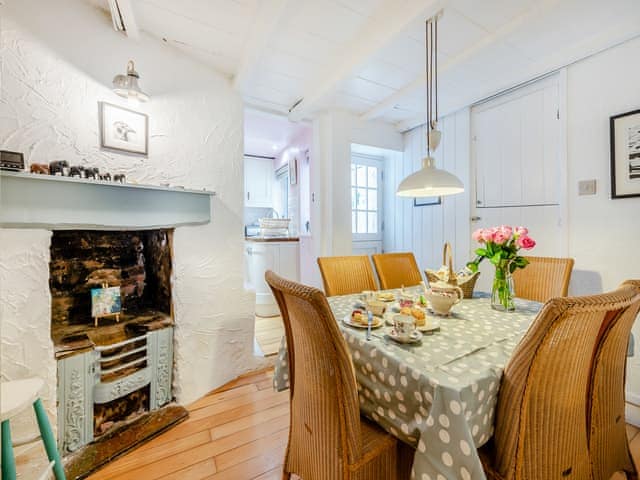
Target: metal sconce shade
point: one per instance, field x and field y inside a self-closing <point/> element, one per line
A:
<point x="127" y="85"/>
<point x="429" y="181"/>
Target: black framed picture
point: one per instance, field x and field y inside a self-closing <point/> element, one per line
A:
<point x="625" y="154"/>
<point x="123" y="129"/>
<point x="426" y="201"/>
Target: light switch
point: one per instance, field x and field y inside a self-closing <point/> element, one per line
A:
<point x="587" y="187"/>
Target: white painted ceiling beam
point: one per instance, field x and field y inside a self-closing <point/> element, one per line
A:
<point x="605" y="39"/>
<point x="123" y="18"/>
<point x="537" y="10"/>
<point x="267" y="20"/>
<point x="389" y="21"/>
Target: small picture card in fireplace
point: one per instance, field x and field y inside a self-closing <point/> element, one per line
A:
<point x="123" y="129"/>
<point x="105" y="302"/>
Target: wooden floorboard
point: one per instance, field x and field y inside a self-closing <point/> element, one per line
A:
<point x="237" y="432"/>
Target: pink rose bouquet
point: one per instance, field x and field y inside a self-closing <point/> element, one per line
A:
<point x="501" y="246"/>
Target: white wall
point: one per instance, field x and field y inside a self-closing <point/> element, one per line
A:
<point x="58" y="59"/>
<point x="423" y="230"/>
<point x="333" y="134"/>
<point x="603" y="232"/>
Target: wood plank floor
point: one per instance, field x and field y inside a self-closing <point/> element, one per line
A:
<point x="237" y="432"/>
<point x="269" y="333"/>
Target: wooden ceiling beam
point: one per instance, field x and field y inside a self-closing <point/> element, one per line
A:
<point x="389" y="21"/>
<point x="266" y="21"/>
<point x="123" y="18"/>
<point x="537" y="10"/>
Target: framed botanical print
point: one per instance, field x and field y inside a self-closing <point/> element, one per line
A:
<point x="123" y="129"/>
<point x="625" y="154"/>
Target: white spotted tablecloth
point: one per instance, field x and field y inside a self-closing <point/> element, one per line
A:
<point x="439" y="396"/>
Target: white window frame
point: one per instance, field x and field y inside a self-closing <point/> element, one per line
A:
<point x="378" y="162"/>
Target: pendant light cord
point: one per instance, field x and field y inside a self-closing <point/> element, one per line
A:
<point x="435" y="67"/>
<point x="427" y="44"/>
<point x="431" y="67"/>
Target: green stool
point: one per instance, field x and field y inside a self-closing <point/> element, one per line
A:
<point x="16" y="396"/>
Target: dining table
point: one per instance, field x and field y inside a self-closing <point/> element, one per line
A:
<point x="438" y="395"/>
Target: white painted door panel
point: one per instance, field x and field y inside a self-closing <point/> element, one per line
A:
<point x="516" y="147"/>
<point x="516" y="152"/>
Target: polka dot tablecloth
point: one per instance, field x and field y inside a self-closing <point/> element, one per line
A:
<point x="440" y="395"/>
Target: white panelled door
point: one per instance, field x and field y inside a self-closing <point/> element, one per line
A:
<point x="366" y="204"/>
<point x="516" y="152"/>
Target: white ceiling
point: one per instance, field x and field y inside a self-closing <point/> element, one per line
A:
<point x="267" y="134"/>
<point x="367" y="56"/>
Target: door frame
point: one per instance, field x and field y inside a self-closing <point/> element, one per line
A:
<point x="560" y="77"/>
<point x="378" y="162"/>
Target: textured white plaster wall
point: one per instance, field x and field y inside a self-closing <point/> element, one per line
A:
<point x="52" y="76"/>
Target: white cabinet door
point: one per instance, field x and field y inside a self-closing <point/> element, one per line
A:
<point x="258" y="182"/>
<point x="289" y="262"/>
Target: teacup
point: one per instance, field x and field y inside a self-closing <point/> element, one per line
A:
<point x="376" y="307"/>
<point x="404" y="326"/>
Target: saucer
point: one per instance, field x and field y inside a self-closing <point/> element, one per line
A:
<point x="416" y="337"/>
<point x="430" y="325"/>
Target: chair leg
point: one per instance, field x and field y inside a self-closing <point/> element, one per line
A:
<point x="8" y="460"/>
<point x="48" y="439"/>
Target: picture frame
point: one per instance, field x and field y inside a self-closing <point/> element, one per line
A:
<point x="293" y="171"/>
<point x="625" y="154"/>
<point x="106" y="302"/>
<point x="123" y="130"/>
<point x="426" y="201"/>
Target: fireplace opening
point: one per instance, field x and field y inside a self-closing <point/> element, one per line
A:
<point x="114" y="365"/>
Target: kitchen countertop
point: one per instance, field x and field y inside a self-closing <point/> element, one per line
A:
<point x="271" y="239"/>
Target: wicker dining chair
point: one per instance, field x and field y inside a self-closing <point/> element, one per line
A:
<point x="608" y="443"/>
<point x="328" y="439"/>
<point x="345" y="275"/>
<point x="544" y="278"/>
<point x="541" y="417"/>
<point x="396" y="270"/>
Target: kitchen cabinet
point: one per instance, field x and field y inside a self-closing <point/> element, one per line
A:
<point x="280" y="256"/>
<point x="258" y="182"/>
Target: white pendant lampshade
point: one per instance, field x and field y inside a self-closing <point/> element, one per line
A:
<point x="127" y="85"/>
<point x="429" y="181"/>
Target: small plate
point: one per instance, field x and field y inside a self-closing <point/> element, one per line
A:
<point x="386" y="298"/>
<point x="377" y="322"/>
<point x="416" y="337"/>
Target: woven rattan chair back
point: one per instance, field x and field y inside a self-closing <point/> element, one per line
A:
<point x="324" y="434"/>
<point x="608" y="440"/>
<point x="544" y="278"/>
<point x="397" y="269"/>
<point x="346" y="275"/>
<point x="541" y="417"/>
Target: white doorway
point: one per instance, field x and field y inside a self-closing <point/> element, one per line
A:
<point x="366" y="203"/>
<point x="519" y="161"/>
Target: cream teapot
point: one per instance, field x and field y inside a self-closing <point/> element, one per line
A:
<point x="442" y="297"/>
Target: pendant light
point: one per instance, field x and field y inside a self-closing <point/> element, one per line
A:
<point x="431" y="181"/>
<point x="127" y="85"/>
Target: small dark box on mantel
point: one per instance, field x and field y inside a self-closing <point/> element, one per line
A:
<point x="12" y="161"/>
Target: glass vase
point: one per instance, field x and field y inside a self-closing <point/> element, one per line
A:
<point x="502" y="292"/>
